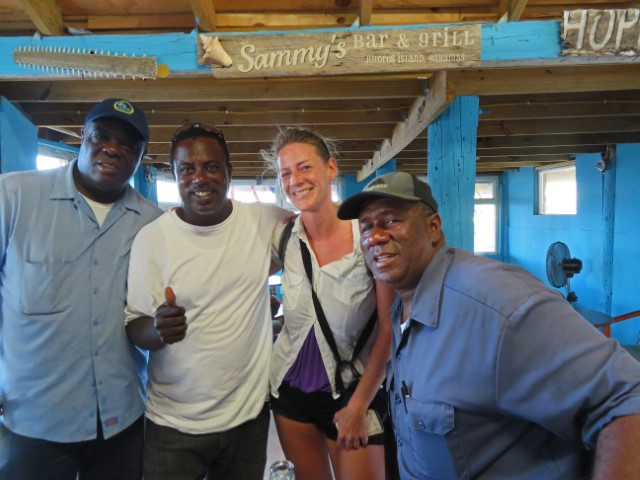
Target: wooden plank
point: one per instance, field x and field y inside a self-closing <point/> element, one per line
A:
<point x="205" y="14"/>
<point x="503" y="10"/>
<point x="546" y="80"/>
<point x="364" y="12"/>
<point x="211" y="89"/>
<point x="45" y="14"/>
<point x="424" y="111"/>
<point x="558" y="126"/>
<point x="601" y="32"/>
<point x="276" y="117"/>
<point x="516" y="9"/>
<point x="267" y="134"/>
<point x="484" y="152"/>
<point x="137" y="22"/>
<point x="451" y="168"/>
<point x="525" y="110"/>
<point x="562" y="139"/>
<point x="351" y="52"/>
<point x="526" y="158"/>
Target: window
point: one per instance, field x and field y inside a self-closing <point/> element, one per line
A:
<point x="44" y="162"/>
<point x="485" y="215"/>
<point x="557" y="191"/>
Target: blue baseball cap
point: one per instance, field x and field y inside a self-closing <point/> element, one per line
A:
<point x="122" y="110"/>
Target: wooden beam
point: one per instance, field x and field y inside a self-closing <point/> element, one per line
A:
<point x="211" y="89"/>
<point x="571" y="109"/>
<point x="424" y="110"/>
<point x="222" y="118"/>
<point x="205" y="14"/>
<point x="45" y="14"/>
<point x="556" y="79"/>
<point x="526" y="159"/>
<point x="364" y="12"/>
<point x="533" y="150"/>
<point x="503" y="10"/>
<point x="516" y="9"/>
<point x="549" y="126"/>
<point x="561" y="139"/>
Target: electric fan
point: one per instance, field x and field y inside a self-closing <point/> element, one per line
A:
<point x="561" y="267"/>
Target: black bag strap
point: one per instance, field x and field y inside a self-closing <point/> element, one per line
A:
<point x="326" y="329"/>
<point x="284" y="239"/>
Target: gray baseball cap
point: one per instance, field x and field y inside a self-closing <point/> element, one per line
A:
<point x="399" y="185"/>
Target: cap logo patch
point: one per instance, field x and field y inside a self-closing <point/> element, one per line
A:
<point x="377" y="185"/>
<point x="123" y="106"/>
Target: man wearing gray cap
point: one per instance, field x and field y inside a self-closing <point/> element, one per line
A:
<point x="492" y="374"/>
<point x="72" y="385"/>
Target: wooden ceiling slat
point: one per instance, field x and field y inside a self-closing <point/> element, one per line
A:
<point x="559" y="110"/>
<point x="210" y="89"/>
<point x="205" y="14"/>
<point x="545" y="80"/>
<point x="551" y="126"/>
<point x="223" y="119"/>
<point x="45" y="15"/>
<point x="560" y="140"/>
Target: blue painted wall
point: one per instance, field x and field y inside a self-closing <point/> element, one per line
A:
<point x="18" y="139"/>
<point x="529" y="235"/>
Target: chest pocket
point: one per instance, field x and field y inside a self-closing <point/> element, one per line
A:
<point x="292" y="284"/>
<point x="352" y="287"/>
<point x="435" y="443"/>
<point x="45" y="287"/>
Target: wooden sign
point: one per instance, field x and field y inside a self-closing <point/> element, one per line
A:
<point x="601" y="32"/>
<point x="351" y="51"/>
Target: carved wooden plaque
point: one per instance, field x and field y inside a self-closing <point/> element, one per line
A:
<point x="351" y="52"/>
<point x="601" y="32"/>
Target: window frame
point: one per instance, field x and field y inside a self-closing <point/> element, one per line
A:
<point x="496" y="201"/>
<point x="541" y="172"/>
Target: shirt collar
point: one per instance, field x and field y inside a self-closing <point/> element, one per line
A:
<point x="426" y="304"/>
<point x="64" y="188"/>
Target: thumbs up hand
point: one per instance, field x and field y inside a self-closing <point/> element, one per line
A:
<point x="169" y="319"/>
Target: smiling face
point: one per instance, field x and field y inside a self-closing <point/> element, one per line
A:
<point x="306" y="178"/>
<point x="203" y="177"/>
<point x="399" y="238"/>
<point x="109" y="155"/>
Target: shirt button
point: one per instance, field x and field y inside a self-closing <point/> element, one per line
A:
<point x="398" y="356"/>
<point x="400" y="443"/>
<point x="422" y="425"/>
<point x="95" y="262"/>
<point x="94" y="291"/>
<point x="96" y="322"/>
<point x="397" y="399"/>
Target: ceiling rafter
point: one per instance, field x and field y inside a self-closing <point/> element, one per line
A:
<point x="205" y="14"/>
<point x="45" y="15"/>
<point x="364" y="12"/>
<point x="425" y="109"/>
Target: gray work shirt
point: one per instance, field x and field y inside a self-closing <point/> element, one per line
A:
<point x="64" y="351"/>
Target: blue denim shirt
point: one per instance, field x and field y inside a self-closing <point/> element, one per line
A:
<point x="497" y="376"/>
<point x="64" y="351"/>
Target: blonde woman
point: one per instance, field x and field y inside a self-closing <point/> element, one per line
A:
<point x="319" y="430"/>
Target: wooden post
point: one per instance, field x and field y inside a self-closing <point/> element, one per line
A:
<point x="451" y="168"/>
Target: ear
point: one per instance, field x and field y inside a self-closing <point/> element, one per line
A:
<point x="434" y="228"/>
<point x="332" y="164"/>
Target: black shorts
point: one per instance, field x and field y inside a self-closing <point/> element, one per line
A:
<point x="317" y="408"/>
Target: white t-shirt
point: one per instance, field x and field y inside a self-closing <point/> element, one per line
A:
<point x="217" y="377"/>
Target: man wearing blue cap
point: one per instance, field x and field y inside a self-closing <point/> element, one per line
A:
<point x="71" y="383"/>
<point x="479" y="387"/>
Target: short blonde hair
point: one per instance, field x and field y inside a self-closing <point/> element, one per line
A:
<point x="324" y="146"/>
